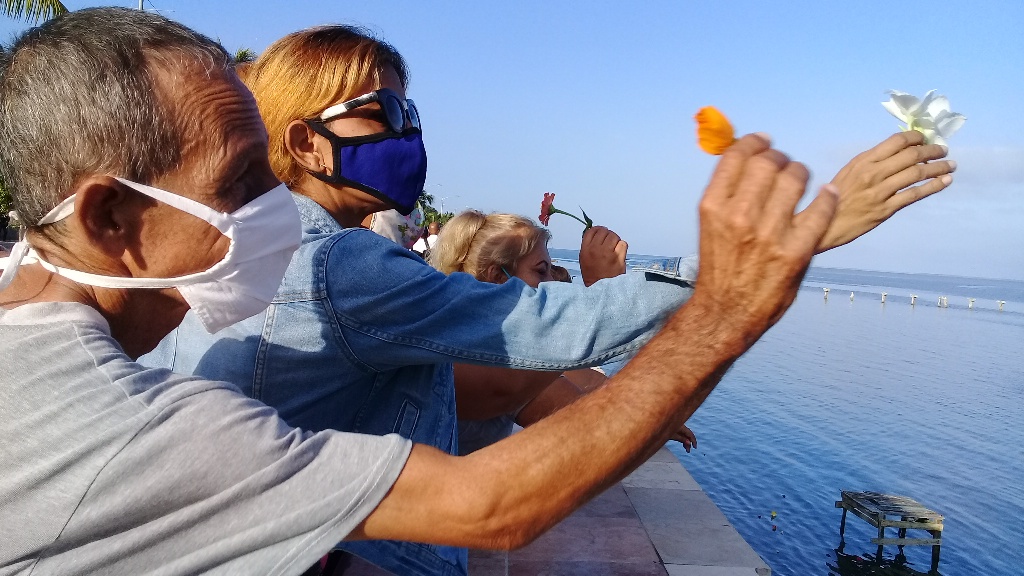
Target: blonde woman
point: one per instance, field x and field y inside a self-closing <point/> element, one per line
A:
<point x="496" y="248"/>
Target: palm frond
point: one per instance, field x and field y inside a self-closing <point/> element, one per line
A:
<point x="34" y="10"/>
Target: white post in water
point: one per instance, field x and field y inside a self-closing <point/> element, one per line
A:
<point x="970" y="303"/>
<point x="913" y="299"/>
<point x="851" y="296"/>
<point x="884" y="294"/>
<point x="826" y="294"/>
<point x="1000" y="302"/>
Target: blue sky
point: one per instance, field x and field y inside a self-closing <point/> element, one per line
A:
<point x="594" y="101"/>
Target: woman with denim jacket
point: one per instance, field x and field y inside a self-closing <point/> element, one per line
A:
<point x="363" y="333"/>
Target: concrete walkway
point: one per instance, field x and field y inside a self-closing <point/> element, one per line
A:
<point x="656" y="522"/>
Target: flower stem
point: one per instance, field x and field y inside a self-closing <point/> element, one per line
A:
<point x="554" y="210"/>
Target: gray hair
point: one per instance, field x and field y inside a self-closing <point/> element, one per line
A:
<point x="77" y="97"/>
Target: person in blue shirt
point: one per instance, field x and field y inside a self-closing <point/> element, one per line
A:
<point x="362" y="334"/>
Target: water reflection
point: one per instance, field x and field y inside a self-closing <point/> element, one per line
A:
<point x="843" y="564"/>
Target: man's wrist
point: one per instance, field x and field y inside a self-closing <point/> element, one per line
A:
<point x="722" y="329"/>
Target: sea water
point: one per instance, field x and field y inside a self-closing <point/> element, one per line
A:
<point x="920" y="401"/>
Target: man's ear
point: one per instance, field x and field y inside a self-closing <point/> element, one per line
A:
<point x="107" y="212"/>
<point x="300" y="141"/>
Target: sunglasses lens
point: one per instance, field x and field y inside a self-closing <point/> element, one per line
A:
<point x="414" y="114"/>
<point x="393" y="112"/>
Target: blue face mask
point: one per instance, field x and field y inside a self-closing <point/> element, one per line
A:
<point x="392" y="167"/>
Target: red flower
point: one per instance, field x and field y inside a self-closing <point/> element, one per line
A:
<point x="545" y="208"/>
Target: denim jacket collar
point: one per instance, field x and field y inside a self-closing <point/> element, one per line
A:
<point x="315" y="218"/>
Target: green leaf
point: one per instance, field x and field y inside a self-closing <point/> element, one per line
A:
<point x="590" y="223"/>
<point x="34" y="10"/>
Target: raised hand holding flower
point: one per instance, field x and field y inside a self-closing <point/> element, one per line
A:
<point x="547" y="208"/>
<point x="882" y="180"/>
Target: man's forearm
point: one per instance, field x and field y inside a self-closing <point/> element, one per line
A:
<point x="570" y="456"/>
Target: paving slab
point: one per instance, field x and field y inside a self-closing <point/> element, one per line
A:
<point x="486" y="567"/>
<point x="687" y="528"/>
<point x="692" y="570"/>
<point x="661" y="475"/>
<point x="584" y="568"/>
<point x="591" y="539"/>
<point x="612" y="503"/>
<point x="664" y="455"/>
<point x="656" y="522"/>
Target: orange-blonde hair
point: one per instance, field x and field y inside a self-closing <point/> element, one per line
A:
<point x="307" y="71"/>
<point x="482" y="244"/>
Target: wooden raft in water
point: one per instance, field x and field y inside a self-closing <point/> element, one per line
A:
<point x="889" y="511"/>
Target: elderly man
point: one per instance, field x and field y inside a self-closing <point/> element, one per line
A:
<point x="139" y="162"/>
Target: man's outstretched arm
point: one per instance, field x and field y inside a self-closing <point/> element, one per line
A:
<point x="753" y="253"/>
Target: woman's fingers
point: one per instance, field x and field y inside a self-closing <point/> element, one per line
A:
<point x="600" y="236"/>
<point x="893" y="145"/>
<point x="911" y="195"/>
<point x="916" y="173"/>
<point x="621" y="249"/>
<point x="908" y="157"/>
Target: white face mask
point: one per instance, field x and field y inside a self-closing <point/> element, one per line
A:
<point x="264" y="234"/>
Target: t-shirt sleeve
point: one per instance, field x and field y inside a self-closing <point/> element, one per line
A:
<point x="216" y="481"/>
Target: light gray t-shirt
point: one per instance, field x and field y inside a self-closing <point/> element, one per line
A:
<point x="108" y="467"/>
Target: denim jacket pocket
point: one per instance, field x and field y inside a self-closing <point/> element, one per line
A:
<point x="408" y="416"/>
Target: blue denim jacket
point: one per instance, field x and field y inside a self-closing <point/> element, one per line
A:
<point x="362" y="334"/>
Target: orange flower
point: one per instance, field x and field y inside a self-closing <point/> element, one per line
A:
<point x="714" y="132"/>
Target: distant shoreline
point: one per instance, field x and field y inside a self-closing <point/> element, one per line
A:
<point x="569" y="254"/>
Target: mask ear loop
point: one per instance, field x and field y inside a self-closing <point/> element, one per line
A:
<point x="13" y="262"/>
<point x="506" y="272"/>
<point x="20" y="249"/>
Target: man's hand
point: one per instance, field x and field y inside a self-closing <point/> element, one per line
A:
<point x="602" y="255"/>
<point x="753" y="249"/>
<point x="686" y="437"/>
<point x="870" y="185"/>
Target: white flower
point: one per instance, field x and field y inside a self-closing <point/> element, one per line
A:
<point x="930" y="116"/>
